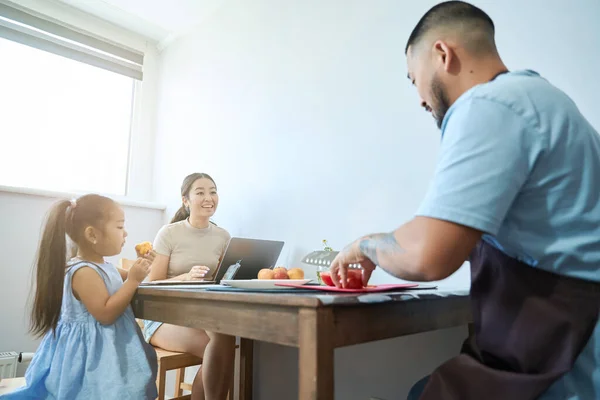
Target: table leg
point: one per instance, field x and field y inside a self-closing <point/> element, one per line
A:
<point x="246" y="365"/>
<point x="315" y="358"/>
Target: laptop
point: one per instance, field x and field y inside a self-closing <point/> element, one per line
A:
<point x="243" y="259"/>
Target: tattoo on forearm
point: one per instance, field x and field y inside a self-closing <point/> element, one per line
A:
<point x="380" y="247"/>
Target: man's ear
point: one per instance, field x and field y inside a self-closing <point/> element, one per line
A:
<point x="443" y="54"/>
<point x="90" y="234"/>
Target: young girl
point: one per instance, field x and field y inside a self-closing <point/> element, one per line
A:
<point x="92" y="347"/>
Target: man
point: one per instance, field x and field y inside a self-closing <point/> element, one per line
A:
<point x="517" y="192"/>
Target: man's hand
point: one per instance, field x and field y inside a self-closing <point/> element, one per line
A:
<point x="424" y="249"/>
<point x="350" y="255"/>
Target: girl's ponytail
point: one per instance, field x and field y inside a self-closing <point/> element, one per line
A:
<point x="50" y="270"/>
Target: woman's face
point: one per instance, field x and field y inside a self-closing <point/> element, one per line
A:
<point x="202" y="198"/>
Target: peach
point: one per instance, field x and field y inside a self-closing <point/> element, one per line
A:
<point x="265" y="273"/>
<point x="280" y="273"/>
<point x="296" y="273"/>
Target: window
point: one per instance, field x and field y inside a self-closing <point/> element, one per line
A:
<point x="65" y="116"/>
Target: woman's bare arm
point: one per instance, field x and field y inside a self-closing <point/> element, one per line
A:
<point x="160" y="266"/>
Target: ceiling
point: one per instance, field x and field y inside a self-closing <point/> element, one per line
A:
<point x="160" y="20"/>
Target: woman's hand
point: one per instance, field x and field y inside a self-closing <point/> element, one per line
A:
<point x="197" y="273"/>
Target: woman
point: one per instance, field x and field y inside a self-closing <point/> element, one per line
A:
<point x="190" y="248"/>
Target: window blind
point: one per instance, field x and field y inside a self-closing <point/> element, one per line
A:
<point x="26" y="27"/>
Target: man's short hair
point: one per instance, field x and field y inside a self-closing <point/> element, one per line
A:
<point x="459" y="15"/>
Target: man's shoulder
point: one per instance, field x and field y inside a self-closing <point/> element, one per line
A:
<point x="524" y="97"/>
<point x="524" y="92"/>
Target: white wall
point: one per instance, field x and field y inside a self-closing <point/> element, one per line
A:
<point x="21" y="218"/>
<point x="302" y="112"/>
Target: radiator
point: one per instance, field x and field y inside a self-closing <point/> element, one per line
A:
<point x="8" y="364"/>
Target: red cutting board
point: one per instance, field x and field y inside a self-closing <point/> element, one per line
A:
<point x="369" y="289"/>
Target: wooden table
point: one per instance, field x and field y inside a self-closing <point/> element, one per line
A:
<point x="316" y="323"/>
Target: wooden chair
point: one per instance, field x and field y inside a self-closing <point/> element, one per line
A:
<point x="170" y="360"/>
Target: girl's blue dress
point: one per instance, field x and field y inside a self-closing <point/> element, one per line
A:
<point x="88" y="360"/>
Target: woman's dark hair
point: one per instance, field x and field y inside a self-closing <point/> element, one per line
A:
<point x="65" y="218"/>
<point x="186" y="187"/>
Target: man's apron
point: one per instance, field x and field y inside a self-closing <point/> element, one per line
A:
<point x="530" y="326"/>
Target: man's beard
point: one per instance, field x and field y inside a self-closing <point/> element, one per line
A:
<point x="440" y="102"/>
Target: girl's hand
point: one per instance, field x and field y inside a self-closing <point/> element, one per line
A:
<point x="139" y="270"/>
<point x="150" y="256"/>
<point x="197" y="273"/>
<point x="144" y="249"/>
